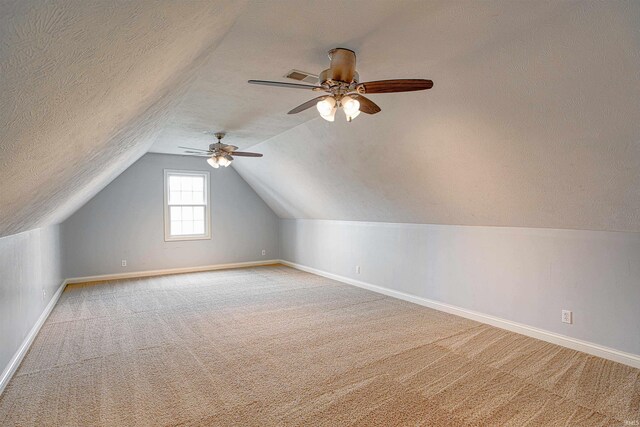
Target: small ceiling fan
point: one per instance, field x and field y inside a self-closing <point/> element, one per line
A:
<point x="341" y="82"/>
<point x="219" y="154"/>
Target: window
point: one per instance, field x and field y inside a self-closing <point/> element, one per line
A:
<point x="186" y="205"/>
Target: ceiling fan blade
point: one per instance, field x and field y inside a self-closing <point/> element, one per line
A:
<point x="193" y="153"/>
<point x="229" y="148"/>
<point x="284" y="84"/>
<point x="390" y="86"/>
<point x="193" y="149"/>
<point x="245" y="154"/>
<point x="366" y="105"/>
<point x="307" y="104"/>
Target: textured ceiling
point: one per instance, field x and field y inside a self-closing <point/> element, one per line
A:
<point x="534" y="119"/>
<point x="267" y="41"/>
<point x="86" y="86"/>
<point x="271" y="38"/>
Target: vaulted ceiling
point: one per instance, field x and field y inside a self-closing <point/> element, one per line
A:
<point x="534" y="119"/>
<point x="86" y="87"/>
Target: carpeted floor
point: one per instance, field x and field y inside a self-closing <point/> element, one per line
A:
<point x="274" y="346"/>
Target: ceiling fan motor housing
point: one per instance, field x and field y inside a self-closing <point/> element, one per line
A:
<point x="342" y="68"/>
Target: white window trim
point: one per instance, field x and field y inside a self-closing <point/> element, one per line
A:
<point x="167" y="223"/>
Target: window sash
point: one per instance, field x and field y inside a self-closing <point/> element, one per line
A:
<point x="191" y="222"/>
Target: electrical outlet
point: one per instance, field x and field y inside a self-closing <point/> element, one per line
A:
<point x="264" y="252"/>
<point x="357" y="269"/>
<point x="124" y="262"/>
<point x="567" y="316"/>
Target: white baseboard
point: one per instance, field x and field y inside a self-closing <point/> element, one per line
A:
<point x="541" y="334"/>
<point x="149" y="273"/>
<point x="15" y="361"/>
<point x="575" y="344"/>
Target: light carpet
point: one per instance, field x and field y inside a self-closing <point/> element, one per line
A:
<point x="271" y="346"/>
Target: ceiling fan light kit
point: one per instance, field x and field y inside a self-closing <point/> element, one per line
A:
<point x="341" y="82"/>
<point x="328" y="106"/>
<point x="217" y="161"/>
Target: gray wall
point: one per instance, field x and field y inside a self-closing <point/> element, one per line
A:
<point x="30" y="263"/>
<point x="125" y="221"/>
<point x="520" y="274"/>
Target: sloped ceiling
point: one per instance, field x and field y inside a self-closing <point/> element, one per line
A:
<point x="534" y="119"/>
<point x="267" y="40"/>
<point x="86" y="86"/>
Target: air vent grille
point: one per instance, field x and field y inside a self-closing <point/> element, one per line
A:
<point x="302" y="76"/>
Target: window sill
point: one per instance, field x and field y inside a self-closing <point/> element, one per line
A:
<point x="185" y="238"/>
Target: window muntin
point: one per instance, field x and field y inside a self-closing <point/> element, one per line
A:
<point x="186" y="205"/>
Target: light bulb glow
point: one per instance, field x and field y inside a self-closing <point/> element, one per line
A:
<point x="326" y="105"/>
<point x="223" y="161"/>
<point x="350" y="106"/>
<point x="213" y="162"/>
<point x="353" y="116"/>
<point x="331" y="116"/>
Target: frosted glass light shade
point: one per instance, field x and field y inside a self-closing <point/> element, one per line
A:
<point x="351" y="106"/>
<point x="223" y="161"/>
<point x="326" y="105"/>
<point x="353" y="116"/>
<point x="331" y="116"/>
<point x="213" y="161"/>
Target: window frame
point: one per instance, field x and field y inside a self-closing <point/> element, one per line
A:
<point x="207" y="206"/>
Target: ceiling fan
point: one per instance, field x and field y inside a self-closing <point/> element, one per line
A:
<point x="219" y="154"/>
<point x="341" y="82"/>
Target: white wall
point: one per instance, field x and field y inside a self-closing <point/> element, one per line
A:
<point x="125" y="221"/>
<point x="519" y="274"/>
<point x="30" y="263"/>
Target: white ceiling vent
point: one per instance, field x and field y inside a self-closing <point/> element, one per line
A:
<point x="302" y="76"/>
